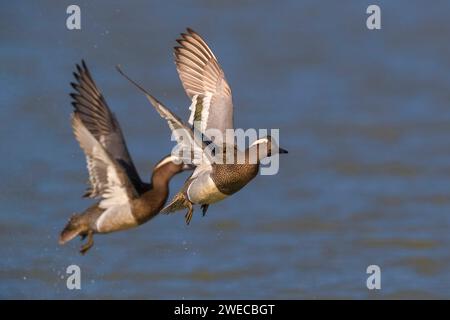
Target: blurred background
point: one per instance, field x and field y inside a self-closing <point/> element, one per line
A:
<point x="364" y="114"/>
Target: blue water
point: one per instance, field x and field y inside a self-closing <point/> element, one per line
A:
<point x="364" y="114"/>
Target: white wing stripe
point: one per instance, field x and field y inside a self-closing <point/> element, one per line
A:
<point x="205" y="110"/>
<point x="205" y="105"/>
<point x="192" y="108"/>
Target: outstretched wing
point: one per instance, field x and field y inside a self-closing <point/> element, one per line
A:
<point x="189" y="141"/>
<point x="108" y="179"/>
<point x="192" y="146"/>
<point x="92" y="109"/>
<point x="205" y="83"/>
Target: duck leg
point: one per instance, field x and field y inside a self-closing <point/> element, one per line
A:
<point x="89" y="243"/>
<point x="204" y="209"/>
<point x="188" y="215"/>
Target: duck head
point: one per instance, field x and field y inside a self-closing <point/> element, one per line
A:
<point x="266" y="147"/>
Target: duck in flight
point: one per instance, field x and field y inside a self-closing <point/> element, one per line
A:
<point x="125" y="200"/>
<point x="212" y="108"/>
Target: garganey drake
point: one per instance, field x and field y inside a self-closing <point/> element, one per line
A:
<point x="125" y="201"/>
<point x="212" y="108"/>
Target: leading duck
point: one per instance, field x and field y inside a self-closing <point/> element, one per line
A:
<point x="126" y="201"/>
<point x="211" y="108"/>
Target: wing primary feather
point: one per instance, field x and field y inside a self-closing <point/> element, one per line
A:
<point x="90" y="105"/>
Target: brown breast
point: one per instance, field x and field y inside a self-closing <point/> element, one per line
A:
<point x="230" y="178"/>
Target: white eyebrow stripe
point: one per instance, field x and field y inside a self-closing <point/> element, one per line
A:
<point x="262" y="140"/>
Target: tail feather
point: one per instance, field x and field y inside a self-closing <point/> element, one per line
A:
<point x="177" y="203"/>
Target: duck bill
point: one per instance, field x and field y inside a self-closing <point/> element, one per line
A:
<point x="281" y="150"/>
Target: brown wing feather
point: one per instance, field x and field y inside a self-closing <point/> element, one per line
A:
<point x="198" y="68"/>
<point x="204" y="82"/>
<point x="92" y="109"/>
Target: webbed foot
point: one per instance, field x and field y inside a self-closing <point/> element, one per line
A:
<point x="204" y="209"/>
<point x="188" y="215"/>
